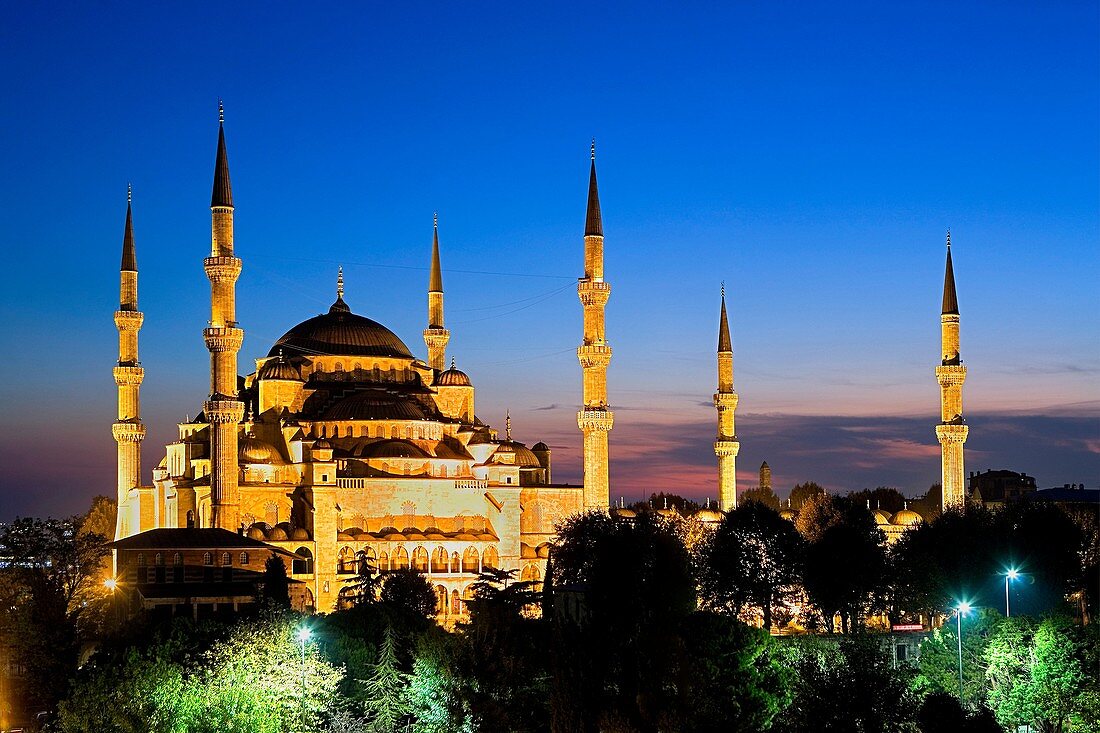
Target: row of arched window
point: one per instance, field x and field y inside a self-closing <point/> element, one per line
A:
<point x="440" y="561"/>
<point x="371" y="430"/>
<point x="207" y="559"/>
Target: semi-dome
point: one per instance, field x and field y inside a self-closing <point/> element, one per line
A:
<point x="341" y="333"/>
<point x="280" y="368"/>
<point x="710" y="516"/>
<point x="907" y="517"/>
<point x="254" y="450"/>
<point x="393" y="448"/>
<point x="881" y="517"/>
<point x="374" y="404"/>
<point x="523" y="455"/>
<point x="452" y="378"/>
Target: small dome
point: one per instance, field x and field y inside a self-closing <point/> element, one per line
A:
<point x="254" y="450"/>
<point x="788" y="514"/>
<point x="344" y="537"/>
<point x="299" y="533"/>
<point x="880" y="516"/>
<point x="540" y="446"/>
<point x="907" y="518"/>
<point x="322" y="444"/>
<point x="277" y="535"/>
<point x="452" y="378"/>
<point x="279" y="369"/>
<point x="710" y="516"/>
<point x="667" y="513"/>
<point x="623" y="513"/>
<point x="255" y="533"/>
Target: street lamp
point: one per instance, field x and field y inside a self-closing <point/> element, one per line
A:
<point x="961" y="610"/>
<point x="303" y="636"/>
<point x="1010" y="574"/>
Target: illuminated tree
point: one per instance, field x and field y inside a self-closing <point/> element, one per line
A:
<point x="386" y="700"/>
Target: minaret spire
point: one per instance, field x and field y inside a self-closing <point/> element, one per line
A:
<point x="726" y="446"/>
<point x="223" y="340"/>
<point x="435" y="335"/>
<point x="128" y="430"/>
<point x="952" y="430"/>
<point x="595" y="418"/>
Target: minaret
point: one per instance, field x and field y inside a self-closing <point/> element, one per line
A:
<point x="725" y="401"/>
<point x="951" y="374"/>
<point x="765" y="476"/>
<point x="595" y="418"/>
<point x="128" y="429"/>
<point x="223" y="339"/>
<point x="435" y="335"/>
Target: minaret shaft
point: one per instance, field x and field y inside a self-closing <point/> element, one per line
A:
<point x="952" y="431"/>
<point x="595" y="418"/>
<point x="223" y="339"/>
<point x="128" y="430"/>
<point x="726" y="446"/>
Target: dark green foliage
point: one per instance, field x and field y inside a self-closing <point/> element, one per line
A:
<point x="943" y="713"/>
<point x="762" y="494"/>
<point x="849" y="686"/>
<point x="385" y="697"/>
<point x="408" y="590"/>
<point x="801" y="493"/>
<point x="363" y="587"/>
<point x="753" y="562"/>
<point x="276" y="584"/>
<point x="886" y="498"/>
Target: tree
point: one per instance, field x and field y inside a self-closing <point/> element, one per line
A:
<point x="385" y="700"/>
<point x="939" y="660"/>
<point x="409" y="590"/>
<point x="753" y="562"/>
<point x="276" y="584"/>
<point x="845" y="563"/>
<point x="363" y="586"/>
<point x="762" y="494"/>
<point x="849" y="686"/>
<point x="802" y="492"/>
<point x="886" y="498"/>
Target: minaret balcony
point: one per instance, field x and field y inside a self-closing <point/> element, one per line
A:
<point x="725" y="400"/>
<point x="595" y="418"/>
<point x="724" y="447"/>
<point x="222" y="269"/>
<point x="951" y="375"/>
<point x="129" y="320"/>
<point x="223" y="338"/>
<point x="223" y="410"/>
<point x="594" y="356"/>
<point x="129" y="376"/>
<point x="954" y="433"/>
<point x="594" y="293"/>
<point x="128" y="432"/>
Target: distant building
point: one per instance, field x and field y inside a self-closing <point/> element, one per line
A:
<point x="1069" y="495"/>
<point x="996" y="488"/>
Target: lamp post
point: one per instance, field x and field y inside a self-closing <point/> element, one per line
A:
<point x="303" y="637"/>
<point x="962" y="609"/>
<point x="1010" y="574"/>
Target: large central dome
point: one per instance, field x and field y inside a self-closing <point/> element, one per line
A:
<point x="340" y="333"/>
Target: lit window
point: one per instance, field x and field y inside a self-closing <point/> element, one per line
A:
<point x="244" y="558"/>
<point x="227" y="559"/>
<point x="207" y="559"/>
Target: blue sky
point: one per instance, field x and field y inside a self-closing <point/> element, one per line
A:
<point x="811" y="156"/>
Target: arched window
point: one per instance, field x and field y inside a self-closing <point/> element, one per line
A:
<point x="456" y="603"/>
<point x="177" y="559"/>
<point x="244" y="558"/>
<point x="469" y="560"/>
<point x="141" y="559"/>
<point x="441" y="600"/>
<point x="456" y="563"/>
<point x="489" y="558"/>
<point x="227" y="559"/>
<point x="439" y="560"/>
<point x="345" y="563"/>
<point x="304" y="565"/>
<point x="420" y="560"/>
<point x="383" y="562"/>
<point x="207" y="559"/>
<point x="531" y="573"/>
<point x="400" y="558"/>
<point x="160" y="559"/>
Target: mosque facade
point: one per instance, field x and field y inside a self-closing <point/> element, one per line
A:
<point x="342" y="445"/>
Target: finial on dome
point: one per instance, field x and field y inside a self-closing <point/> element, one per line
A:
<point x="452" y="362"/>
<point x="507" y="425"/>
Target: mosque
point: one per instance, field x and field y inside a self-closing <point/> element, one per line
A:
<point x="342" y="445"/>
